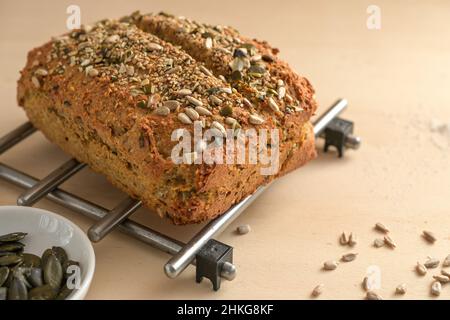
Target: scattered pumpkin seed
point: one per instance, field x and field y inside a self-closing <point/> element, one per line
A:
<point x="330" y="265"/>
<point x="349" y="257"/>
<point x="45" y="292"/>
<point x="429" y="236"/>
<point x="389" y="242"/>
<point x="17" y="290"/>
<point x="431" y="263"/>
<point x="436" y="288"/>
<point x="226" y="111"/>
<point x="372" y="295"/>
<point x="30" y="260"/>
<point x="243" y="229"/>
<point x="317" y="291"/>
<point x="4" y="273"/>
<point x="36" y="277"/>
<point x="10" y="259"/>
<point x="421" y="269"/>
<point x="53" y="273"/>
<point x="401" y="289"/>
<point x="381" y="227"/>
<point x="11" y="247"/>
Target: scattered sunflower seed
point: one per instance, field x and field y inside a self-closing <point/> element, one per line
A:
<point x="173" y="105"/>
<point x="247" y="103"/>
<point x="162" y="111"/>
<point x="330" y="265"/>
<point x="445" y="273"/>
<point x="194" y="101"/>
<point x="203" y="111"/>
<point x="41" y="72"/>
<point x="192" y="114"/>
<point x="343" y="239"/>
<point x="441" y="278"/>
<point x="254" y="119"/>
<point x="378" y="243"/>
<point x="205" y="70"/>
<point x="219" y="127"/>
<point x="366" y="284"/>
<point x="436" y="288"/>
<point x="421" y="269"/>
<point x="371" y="295"/>
<point x="349" y="257"/>
<point x="273" y="105"/>
<point x="208" y="43"/>
<point x="154" y="47"/>
<point x="401" y="289"/>
<point x="215" y="100"/>
<point x="389" y="242"/>
<point x="381" y="227"/>
<point x="352" y="240"/>
<point x="446" y="262"/>
<point x="243" y="229"/>
<point x="429" y="236"/>
<point x="317" y="291"/>
<point x="35" y="82"/>
<point x="183" y="92"/>
<point x="431" y="263"/>
<point x="184" y="118"/>
<point x="92" y="72"/>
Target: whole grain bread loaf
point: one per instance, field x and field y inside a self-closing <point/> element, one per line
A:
<point x="112" y="95"/>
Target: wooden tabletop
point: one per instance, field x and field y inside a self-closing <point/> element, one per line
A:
<point x="397" y="81"/>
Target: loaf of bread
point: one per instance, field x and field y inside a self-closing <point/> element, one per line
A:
<point x="113" y="94"/>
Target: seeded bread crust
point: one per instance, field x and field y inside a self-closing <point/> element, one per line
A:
<point x="106" y="96"/>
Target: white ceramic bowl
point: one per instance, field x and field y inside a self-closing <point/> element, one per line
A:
<point x="45" y="230"/>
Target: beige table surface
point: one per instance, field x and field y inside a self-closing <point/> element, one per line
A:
<point x="397" y="80"/>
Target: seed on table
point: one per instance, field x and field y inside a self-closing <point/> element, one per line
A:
<point x="401" y="289"/>
<point x="352" y="240"/>
<point x="381" y="227"/>
<point x="371" y="295"/>
<point x="349" y="257"/>
<point x="429" y="236"/>
<point x="330" y="265"/>
<point x="343" y="239"/>
<point x="431" y="263"/>
<point x="445" y="273"/>
<point x="446" y="262"/>
<point x="441" y="278"/>
<point x="378" y="243"/>
<point x="366" y="284"/>
<point x="317" y="291"/>
<point x="436" y="288"/>
<point x="243" y="229"/>
<point x="389" y="242"/>
<point x="421" y="269"/>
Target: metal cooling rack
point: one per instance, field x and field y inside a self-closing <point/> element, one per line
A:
<point x="212" y="258"/>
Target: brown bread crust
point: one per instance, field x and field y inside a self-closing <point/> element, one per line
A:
<point x="94" y="110"/>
